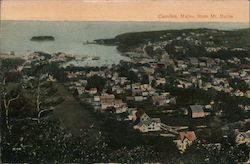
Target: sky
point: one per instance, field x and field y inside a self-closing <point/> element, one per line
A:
<point x="127" y="10"/>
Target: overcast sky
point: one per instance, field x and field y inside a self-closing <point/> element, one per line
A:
<point x="121" y="10"/>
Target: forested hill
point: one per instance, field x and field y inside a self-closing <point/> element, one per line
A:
<point x="229" y="39"/>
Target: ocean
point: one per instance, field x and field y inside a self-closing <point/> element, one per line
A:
<point x="70" y="36"/>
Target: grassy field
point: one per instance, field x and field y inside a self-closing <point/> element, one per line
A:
<point x="72" y="114"/>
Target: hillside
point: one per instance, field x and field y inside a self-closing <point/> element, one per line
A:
<point x="230" y="39"/>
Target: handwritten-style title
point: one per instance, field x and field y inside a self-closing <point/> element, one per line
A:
<point x="195" y="16"/>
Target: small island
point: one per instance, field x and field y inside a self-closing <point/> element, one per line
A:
<point x="42" y="38"/>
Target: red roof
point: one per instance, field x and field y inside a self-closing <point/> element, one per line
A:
<point x="210" y="61"/>
<point x="189" y="135"/>
<point x="139" y="113"/>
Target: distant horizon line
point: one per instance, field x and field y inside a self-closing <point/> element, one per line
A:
<point x="116" y="21"/>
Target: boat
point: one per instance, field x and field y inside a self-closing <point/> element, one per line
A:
<point x="96" y="58"/>
<point x="88" y="42"/>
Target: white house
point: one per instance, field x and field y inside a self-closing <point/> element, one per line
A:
<point x="185" y="139"/>
<point x="97" y="98"/>
<point x="93" y="91"/>
<point x="147" y="124"/>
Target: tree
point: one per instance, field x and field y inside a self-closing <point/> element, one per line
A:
<point x="43" y="91"/>
<point x="211" y="153"/>
<point x="238" y="84"/>
<point x="132" y="76"/>
<point x="214" y="132"/>
<point x="41" y="96"/>
<point x="96" y="82"/>
<point x="7" y="66"/>
<point x="7" y="101"/>
<point x="111" y="109"/>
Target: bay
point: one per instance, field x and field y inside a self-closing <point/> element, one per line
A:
<point x="70" y="36"/>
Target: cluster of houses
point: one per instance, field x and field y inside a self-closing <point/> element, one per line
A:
<point x="135" y="92"/>
<point x="109" y="98"/>
<point x="119" y="85"/>
<point x="144" y="123"/>
<point x="207" y="73"/>
<point x="203" y="72"/>
<point x="56" y="57"/>
<point x="200" y="72"/>
<point x="132" y="91"/>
